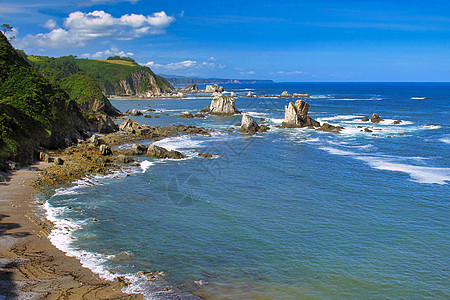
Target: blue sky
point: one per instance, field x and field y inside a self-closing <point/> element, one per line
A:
<point x="280" y="40"/>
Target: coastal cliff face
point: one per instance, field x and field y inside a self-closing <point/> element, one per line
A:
<point x="140" y="83"/>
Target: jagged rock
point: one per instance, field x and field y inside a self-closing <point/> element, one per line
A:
<point x="367" y="129"/>
<point x="206" y="109"/>
<point x="189" y="89"/>
<point x="138" y="149"/>
<point x="330" y="128"/>
<point x="223" y="105"/>
<point x="376" y="119"/>
<point x="134" y="127"/>
<point x="296" y="115"/>
<point x="59" y="161"/>
<point x="134" y="112"/>
<point x="300" y="95"/>
<point x="187" y="115"/>
<point x="248" y="125"/>
<point x="263" y="128"/>
<point x="205" y="155"/>
<point x="365" y="119"/>
<point x="160" y="152"/>
<point x="147" y="116"/>
<point x="214" y="89"/>
<point x="233" y="94"/>
<point x="105" y="150"/>
<point x="396" y="122"/>
<point x="104" y="124"/>
<point x="238" y="124"/>
<point x="124" y="159"/>
<point x="179" y="95"/>
<point x="249" y="95"/>
<point x="199" y="115"/>
<point x="285" y="94"/>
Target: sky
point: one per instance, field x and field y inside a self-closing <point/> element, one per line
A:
<point x="284" y="40"/>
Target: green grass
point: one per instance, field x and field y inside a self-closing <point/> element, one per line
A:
<point x="120" y="62"/>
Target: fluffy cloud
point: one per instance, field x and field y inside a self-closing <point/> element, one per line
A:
<point x="110" y="52"/>
<point x="50" y="24"/>
<point x="80" y="28"/>
<point x="183" y="65"/>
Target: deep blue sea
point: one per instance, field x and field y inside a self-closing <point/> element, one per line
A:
<point x="287" y="214"/>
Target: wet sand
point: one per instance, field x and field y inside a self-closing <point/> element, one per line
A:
<point x="30" y="266"/>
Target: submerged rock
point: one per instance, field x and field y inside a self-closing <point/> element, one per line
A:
<point x="296" y="115"/>
<point x="223" y="105"/>
<point x="330" y="128"/>
<point x="376" y="119"/>
<point x="160" y="152"/>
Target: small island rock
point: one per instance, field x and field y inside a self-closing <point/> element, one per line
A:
<point x="296" y="115"/>
<point x="223" y="105"/>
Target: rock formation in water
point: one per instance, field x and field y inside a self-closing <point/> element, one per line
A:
<point x="188" y="89"/>
<point x="248" y="125"/>
<point x="330" y="128"/>
<point x="214" y="89"/>
<point x="296" y="115"/>
<point x="186" y="115"/>
<point x="376" y="119"/>
<point x="160" y="152"/>
<point x="223" y="105"/>
<point x="285" y="94"/>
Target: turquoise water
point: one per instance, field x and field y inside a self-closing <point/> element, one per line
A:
<point x="291" y="213"/>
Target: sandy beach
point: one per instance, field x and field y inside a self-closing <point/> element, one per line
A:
<point x="30" y="266"/>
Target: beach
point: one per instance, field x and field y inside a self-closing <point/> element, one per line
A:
<point x="30" y="266"/>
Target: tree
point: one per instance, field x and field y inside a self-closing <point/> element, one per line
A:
<point x="8" y="28"/>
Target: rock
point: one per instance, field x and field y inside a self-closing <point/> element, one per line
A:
<point x="249" y="95"/>
<point x="367" y="129"/>
<point x="13" y="165"/>
<point x="300" y="95"/>
<point x="187" y="115"/>
<point x="233" y="94"/>
<point x="376" y="119"/>
<point x="138" y="149"/>
<point x="134" y="127"/>
<point x="189" y="89"/>
<point x="157" y="116"/>
<point x="205" y="155"/>
<point x="365" y="119"/>
<point x="248" y="125"/>
<point x="262" y="119"/>
<point x="396" y="122"/>
<point x="151" y="109"/>
<point x="223" y="105"/>
<point x="124" y="159"/>
<point x="147" y="116"/>
<point x="160" y="152"/>
<point x="199" y="115"/>
<point x="59" y="161"/>
<point x="296" y="115"/>
<point x="213" y="89"/>
<point x="205" y="110"/>
<point x="104" y="124"/>
<point x="134" y="112"/>
<point x="44" y="157"/>
<point x="105" y="150"/>
<point x="237" y="124"/>
<point x="285" y="94"/>
<point x="179" y="95"/>
<point x="330" y="128"/>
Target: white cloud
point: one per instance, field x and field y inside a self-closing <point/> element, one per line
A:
<point x="95" y="2"/>
<point x="183" y="65"/>
<point x="50" y="24"/>
<point x="291" y="73"/>
<point x="110" y="52"/>
<point x="80" y="28"/>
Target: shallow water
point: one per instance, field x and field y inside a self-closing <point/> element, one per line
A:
<point x="291" y="213"/>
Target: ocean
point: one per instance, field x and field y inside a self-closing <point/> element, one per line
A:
<point x="286" y="214"/>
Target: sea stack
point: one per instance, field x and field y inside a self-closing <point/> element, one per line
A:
<point x="296" y="115"/>
<point x="223" y="106"/>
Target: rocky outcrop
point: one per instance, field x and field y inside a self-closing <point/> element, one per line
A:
<point x="205" y="155"/>
<point x="285" y="94"/>
<point x="376" y="119"/>
<point x="105" y="150"/>
<point x="205" y="110"/>
<point x="140" y="83"/>
<point x="296" y="95"/>
<point x="134" y="127"/>
<point x="103" y="124"/>
<point x="160" y="152"/>
<point x="330" y="128"/>
<point x="186" y="115"/>
<point x="199" y="115"/>
<point x="189" y="89"/>
<point x="248" y="125"/>
<point x="233" y="94"/>
<point x="214" y="89"/>
<point x="296" y="115"/>
<point x="134" y="112"/>
<point x="138" y="149"/>
<point x="249" y="95"/>
<point x="223" y="105"/>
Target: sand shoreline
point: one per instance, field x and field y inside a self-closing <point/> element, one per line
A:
<point x="30" y="266"/>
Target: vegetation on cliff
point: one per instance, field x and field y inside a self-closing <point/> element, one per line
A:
<point x="33" y="110"/>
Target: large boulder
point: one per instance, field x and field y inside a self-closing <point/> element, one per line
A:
<point x="330" y="128"/>
<point x="134" y="112"/>
<point x="105" y="150"/>
<point x="160" y="152"/>
<point x="138" y="149"/>
<point x="104" y="124"/>
<point x="134" y="127"/>
<point x="296" y="115"/>
<point x="214" y="89"/>
<point x="248" y="125"/>
<point x="186" y="115"/>
<point x="223" y="105"/>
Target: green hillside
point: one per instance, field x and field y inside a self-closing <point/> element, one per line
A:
<point x="33" y="111"/>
